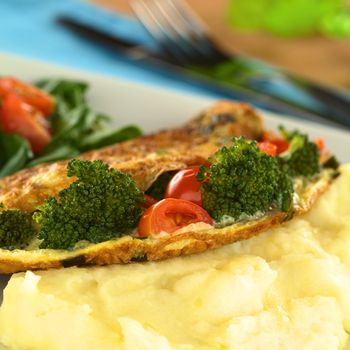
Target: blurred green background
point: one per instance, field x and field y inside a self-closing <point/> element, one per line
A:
<point x="292" y="17"/>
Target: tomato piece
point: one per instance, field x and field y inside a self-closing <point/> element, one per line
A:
<point x="28" y="93"/>
<point x="19" y="118"/>
<point x="320" y="143"/>
<point x="269" y="135"/>
<point x="281" y="143"/>
<point x="184" y="185"/>
<point x="148" y="201"/>
<point x="169" y="215"/>
<point x="268" y="147"/>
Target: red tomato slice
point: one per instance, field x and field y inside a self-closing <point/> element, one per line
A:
<point x="184" y="185"/>
<point x="268" y="147"/>
<point x="29" y="94"/>
<point x="22" y="119"/>
<point x="320" y="143"/>
<point x="281" y="144"/>
<point x="169" y="215"/>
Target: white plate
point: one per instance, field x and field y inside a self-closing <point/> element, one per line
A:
<point x="153" y="108"/>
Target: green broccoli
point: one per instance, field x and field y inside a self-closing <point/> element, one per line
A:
<point x="302" y="158"/>
<point x="243" y="181"/>
<point x="103" y="203"/>
<point x="16" y="228"/>
<point x="331" y="163"/>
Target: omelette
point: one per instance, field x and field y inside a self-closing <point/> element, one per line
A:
<point x="145" y="159"/>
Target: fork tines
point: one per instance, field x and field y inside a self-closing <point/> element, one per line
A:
<point x="178" y="31"/>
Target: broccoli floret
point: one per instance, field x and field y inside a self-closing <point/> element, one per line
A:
<point x="243" y="181"/>
<point x="103" y="203"/>
<point x="16" y="228"/>
<point x="157" y="190"/>
<point x="331" y="163"/>
<point x="302" y="158"/>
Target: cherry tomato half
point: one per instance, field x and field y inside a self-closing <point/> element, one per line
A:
<point x="281" y="143"/>
<point x="184" y="185"/>
<point x="268" y="147"/>
<point x="320" y="143"/>
<point x="28" y="93"/>
<point x="169" y="215"/>
<point x="22" y="119"/>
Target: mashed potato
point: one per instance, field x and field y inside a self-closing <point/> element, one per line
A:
<point x="288" y="288"/>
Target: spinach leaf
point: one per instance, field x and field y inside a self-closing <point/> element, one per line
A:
<point x="105" y="137"/>
<point x="75" y="128"/>
<point x="75" y="124"/>
<point x="14" y="153"/>
<point x="70" y="93"/>
<point x="157" y="190"/>
<point x="63" y="152"/>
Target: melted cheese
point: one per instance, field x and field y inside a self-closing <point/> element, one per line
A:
<point x="288" y="288"/>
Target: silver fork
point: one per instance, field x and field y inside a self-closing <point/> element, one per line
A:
<point x="185" y="41"/>
<point x="180" y="33"/>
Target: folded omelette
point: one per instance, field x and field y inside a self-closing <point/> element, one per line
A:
<point x="145" y="159"/>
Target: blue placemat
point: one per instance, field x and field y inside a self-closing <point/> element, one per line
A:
<point x="29" y="28"/>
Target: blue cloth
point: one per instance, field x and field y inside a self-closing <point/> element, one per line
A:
<point x="29" y="28"/>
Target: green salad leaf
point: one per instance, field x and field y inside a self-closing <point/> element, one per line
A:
<point x="105" y="137"/>
<point x="75" y="127"/>
<point x="292" y="18"/>
<point x="14" y="153"/>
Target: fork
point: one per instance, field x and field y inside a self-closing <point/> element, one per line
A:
<point x="185" y="41"/>
<point x="179" y="32"/>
